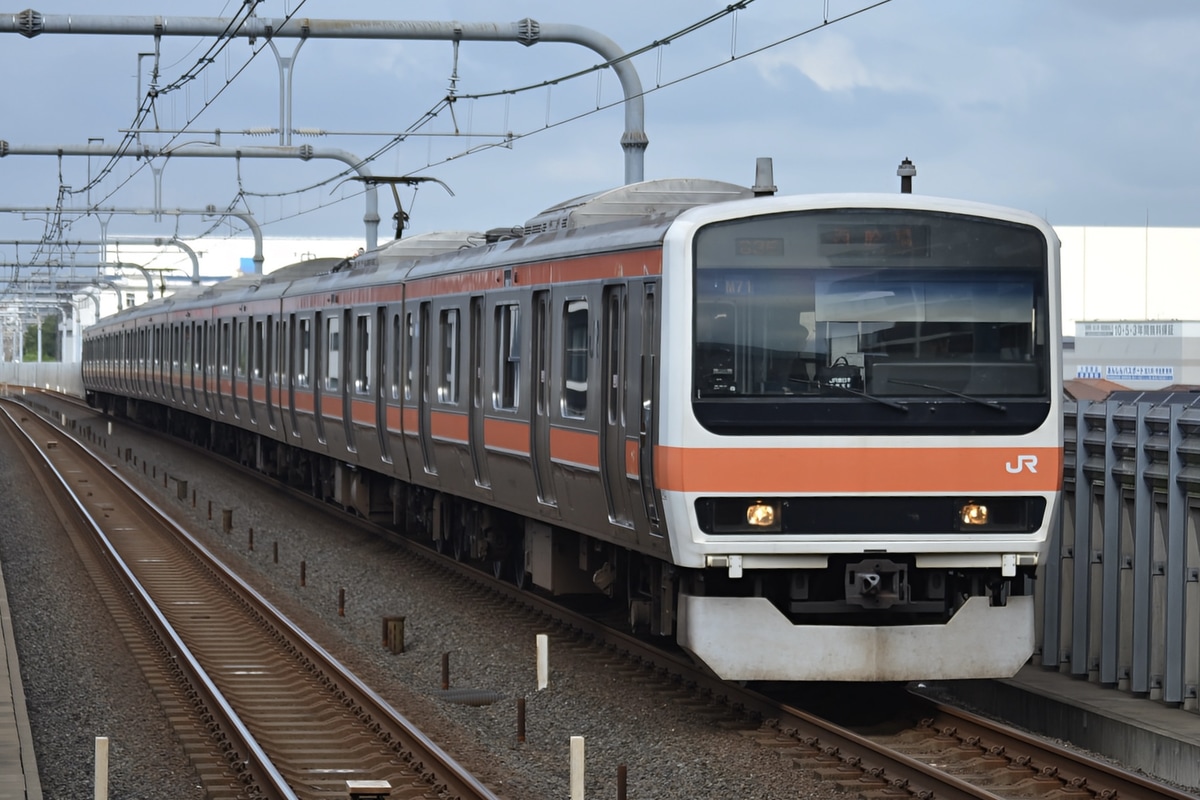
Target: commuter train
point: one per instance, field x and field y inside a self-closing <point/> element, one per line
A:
<point x="809" y="437"/>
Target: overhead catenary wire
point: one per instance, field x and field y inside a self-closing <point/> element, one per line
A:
<point x="425" y="120"/>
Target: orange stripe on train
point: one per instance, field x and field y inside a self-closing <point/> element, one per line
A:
<point x="580" y="448"/>
<point x="505" y="435"/>
<point x="447" y="426"/>
<point x="859" y="470"/>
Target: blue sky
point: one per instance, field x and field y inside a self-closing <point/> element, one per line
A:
<point x="1083" y="111"/>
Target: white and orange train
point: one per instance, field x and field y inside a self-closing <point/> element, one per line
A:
<point x="810" y="437"/>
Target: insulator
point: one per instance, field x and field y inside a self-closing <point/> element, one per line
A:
<point x="30" y="23"/>
<point x="529" y="32"/>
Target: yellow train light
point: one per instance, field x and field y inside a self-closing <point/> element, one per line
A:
<point x="974" y="514"/>
<point x="760" y="515"/>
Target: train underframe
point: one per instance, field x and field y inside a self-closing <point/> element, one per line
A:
<point x="853" y="591"/>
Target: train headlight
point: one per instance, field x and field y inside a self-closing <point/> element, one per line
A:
<point x="762" y="515"/>
<point x="973" y="514"/>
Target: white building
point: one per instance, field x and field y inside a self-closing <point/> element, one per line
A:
<point x="1138" y="354"/>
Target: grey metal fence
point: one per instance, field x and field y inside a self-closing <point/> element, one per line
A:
<point x="60" y="377"/>
<point x="1119" y="595"/>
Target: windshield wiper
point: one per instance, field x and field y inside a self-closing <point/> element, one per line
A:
<point x="992" y="404"/>
<point x="896" y="404"/>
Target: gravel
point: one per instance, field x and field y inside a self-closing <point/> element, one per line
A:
<point x="81" y="684"/>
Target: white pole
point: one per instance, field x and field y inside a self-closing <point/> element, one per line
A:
<point x="543" y="661"/>
<point x="576" y="768"/>
<point x="101" y="768"/>
<point x="110" y="429"/>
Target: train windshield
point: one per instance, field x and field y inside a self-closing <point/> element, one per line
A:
<point x="891" y="310"/>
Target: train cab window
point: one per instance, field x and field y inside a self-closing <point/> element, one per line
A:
<point x="448" y="331"/>
<point x="870" y="320"/>
<point x="256" y="365"/>
<point x="333" y="349"/>
<point x="508" y="356"/>
<point x="362" y="354"/>
<point x="304" y="346"/>
<point x="575" y="359"/>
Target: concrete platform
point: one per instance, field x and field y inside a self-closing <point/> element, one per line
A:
<point x="18" y="766"/>
<point x="1162" y="741"/>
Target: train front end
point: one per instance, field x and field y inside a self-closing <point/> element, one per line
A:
<point x="859" y="434"/>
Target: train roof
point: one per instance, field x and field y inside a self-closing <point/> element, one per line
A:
<point x="625" y="217"/>
<point x="661" y="197"/>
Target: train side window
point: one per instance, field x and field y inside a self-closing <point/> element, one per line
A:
<point x="226" y="354"/>
<point x="202" y="349"/>
<point x="362" y="354"/>
<point x="259" y="350"/>
<point x="279" y="371"/>
<point x="575" y="359"/>
<point x="305" y="364"/>
<point x="156" y="351"/>
<point x="185" y="347"/>
<point x="333" y="348"/>
<point x="508" y="357"/>
<point x="448" y="378"/>
<point x="243" y="348"/>
<point x="410" y="340"/>
<point x="191" y="349"/>
<point x="394" y="372"/>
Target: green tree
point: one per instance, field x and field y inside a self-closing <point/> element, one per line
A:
<point x="49" y="341"/>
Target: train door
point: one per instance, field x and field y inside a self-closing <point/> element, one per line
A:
<point x="290" y="375"/>
<point x="191" y="352"/>
<point x="254" y="366"/>
<point x="156" y="386"/>
<point x="317" y="379"/>
<point x="344" y="376"/>
<point x="424" y="375"/>
<point x="279" y="376"/>
<point x="162" y="357"/>
<point x="210" y="365"/>
<point x="172" y="362"/>
<point x="221" y="374"/>
<point x="241" y="366"/>
<point x="166" y="375"/>
<point x="146" y="356"/>
<point x="177" y="362"/>
<point x="206" y="363"/>
<point x="269" y="370"/>
<point x="137" y="374"/>
<point x="613" y="430"/>
<point x="646" y="410"/>
<point x="150" y="370"/>
<point x="380" y="380"/>
<point x="156" y="337"/>
<point x="543" y="473"/>
<point x="477" y="358"/>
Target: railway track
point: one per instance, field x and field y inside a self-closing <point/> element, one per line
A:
<point x="264" y="711"/>
<point x="930" y="750"/>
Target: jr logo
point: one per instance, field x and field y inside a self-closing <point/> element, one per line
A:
<point x="1023" y="463"/>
